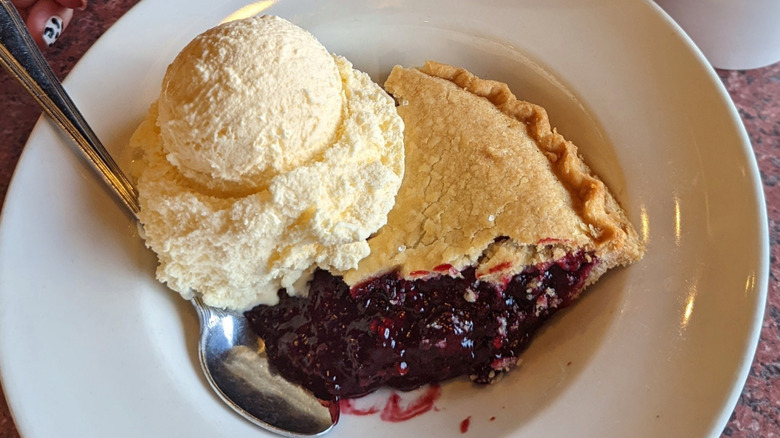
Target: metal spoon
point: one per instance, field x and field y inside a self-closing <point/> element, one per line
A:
<point x="231" y="355"/>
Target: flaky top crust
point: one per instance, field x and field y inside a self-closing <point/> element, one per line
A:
<point x="488" y="182"/>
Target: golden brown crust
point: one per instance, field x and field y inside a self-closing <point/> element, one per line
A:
<point x="488" y="181"/>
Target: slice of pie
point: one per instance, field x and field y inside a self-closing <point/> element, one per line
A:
<point x="498" y="224"/>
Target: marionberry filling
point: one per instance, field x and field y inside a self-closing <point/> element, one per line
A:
<point x="404" y="333"/>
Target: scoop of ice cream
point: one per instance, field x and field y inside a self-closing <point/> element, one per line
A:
<point x="246" y="100"/>
<point x="303" y="200"/>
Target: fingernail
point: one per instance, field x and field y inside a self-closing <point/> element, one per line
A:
<point x="52" y="30"/>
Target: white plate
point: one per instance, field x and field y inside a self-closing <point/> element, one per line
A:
<point x="92" y="346"/>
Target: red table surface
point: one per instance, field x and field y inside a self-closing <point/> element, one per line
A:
<point x="756" y="94"/>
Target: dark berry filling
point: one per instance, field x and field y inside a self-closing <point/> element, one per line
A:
<point x="406" y="333"/>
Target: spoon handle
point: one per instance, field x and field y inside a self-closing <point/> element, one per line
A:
<point x="21" y="57"/>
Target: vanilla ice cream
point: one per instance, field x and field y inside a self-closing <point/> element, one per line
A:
<point x="264" y="158"/>
<point x="247" y="100"/>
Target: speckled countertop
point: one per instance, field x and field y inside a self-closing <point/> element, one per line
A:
<point x="756" y="94"/>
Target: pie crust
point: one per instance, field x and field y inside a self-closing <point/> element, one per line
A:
<point x="488" y="182"/>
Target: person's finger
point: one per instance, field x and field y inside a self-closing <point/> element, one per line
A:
<point x="73" y="4"/>
<point x="23" y="4"/>
<point x="47" y="20"/>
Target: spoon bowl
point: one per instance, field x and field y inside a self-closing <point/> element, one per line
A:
<point x="231" y="355"/>
<point x="234" y="362"/>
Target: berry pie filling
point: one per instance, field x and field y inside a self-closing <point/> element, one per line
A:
<point x="404" y="333"/>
